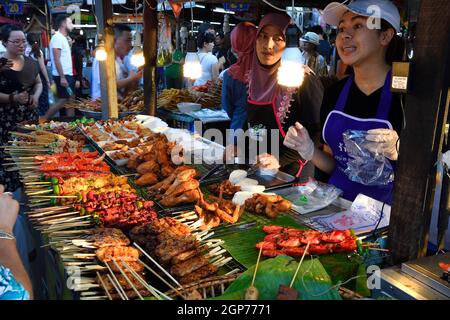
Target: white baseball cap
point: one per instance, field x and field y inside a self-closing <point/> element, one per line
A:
<point x="332" y="14"/>
<point x="311" y="37"/>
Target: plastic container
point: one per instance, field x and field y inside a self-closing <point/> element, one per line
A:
<point x="187" y="107"/>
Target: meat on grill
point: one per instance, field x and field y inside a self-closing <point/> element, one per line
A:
<point x="106" y="254"/>
<point x="188" y="266"/>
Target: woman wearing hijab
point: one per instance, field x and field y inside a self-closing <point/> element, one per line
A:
<point x="361" y="102"/>
<point x="235" y="78"/>
<point x="272" y="109"/>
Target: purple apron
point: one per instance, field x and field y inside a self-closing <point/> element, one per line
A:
<point x="337" y="123"/>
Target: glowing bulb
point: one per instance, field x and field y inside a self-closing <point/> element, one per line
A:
<point x="81" y="32"/>
<point x="100" y="53"/>
<point x="291" y="71"/>
<point x="137" y="57"/>
<point x="192" y="68"/>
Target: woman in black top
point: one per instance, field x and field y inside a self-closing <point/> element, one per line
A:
<point x="20" y="89"/>
<point x="362" y="101"/>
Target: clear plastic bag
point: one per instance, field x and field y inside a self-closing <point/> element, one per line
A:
<point x="310" y="197"/>
<point x="364" y="166"/>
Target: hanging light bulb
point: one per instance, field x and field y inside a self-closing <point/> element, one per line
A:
<point x="100" y="52"/>
<point x="192" y="68"/>
<point x="137" y="54"/>
<point x="291" y="71"/>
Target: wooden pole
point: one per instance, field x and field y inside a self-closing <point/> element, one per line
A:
<point x="421" y="141"/>
<point x="150" y="52"/>
<point x="104" y="11"/>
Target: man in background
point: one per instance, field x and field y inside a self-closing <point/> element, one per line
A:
<point x="62" y="66"/>
<point x="127" y="80"/>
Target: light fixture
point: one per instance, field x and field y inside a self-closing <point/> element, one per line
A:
<point x="81" y="32"/>
<point x="222" y="10"/>
<point x="192" y="68"/>
<point x="291" y="71"/>
<point x="100" y="52"/>
<point x="137" y="54"/>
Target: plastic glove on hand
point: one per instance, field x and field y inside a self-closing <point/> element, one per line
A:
<point x="298" y="139"/>
<point x="387" y="142"/>
<point x="268" y="162"/>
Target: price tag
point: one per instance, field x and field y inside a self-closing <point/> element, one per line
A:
<point x="13" y="7"/>
<point x="238" y="7"/>
<point x="400" y="83"/>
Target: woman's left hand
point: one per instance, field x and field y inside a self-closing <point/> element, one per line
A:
<point x="34" y="101"/>
<point x="268" y="162"/>
<point x="387" y="142"/>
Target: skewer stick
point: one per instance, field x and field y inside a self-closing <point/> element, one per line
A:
<point x="378" y="249"/>
<point x="125" y="276"/>
<point x="52" y="214"/>
<point x="33" y="194"/>
<point x="103" y="285"/>
<point x="157" y="264"/>
<point x="161" y="278"/>
<point x="222" y="262"/>
<point x="56" y="197"/>
<point x="256" y="267"/>
<point x="151" y="289"/>
<point x="300" y="263"/>
<point x="50" y="209"/>
<point x="117" y="289"/>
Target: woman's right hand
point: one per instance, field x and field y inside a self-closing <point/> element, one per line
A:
<point x="298" y="139"/>
<point x="22" y="98"/>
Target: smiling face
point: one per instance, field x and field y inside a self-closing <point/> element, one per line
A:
<point x="270" y="45"/>
<point x="356" y="43"/>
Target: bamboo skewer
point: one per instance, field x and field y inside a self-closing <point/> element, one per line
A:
<point x="299" y="265"/>
<point x="157" y="264"/>
<point x="162" y="279"/>
<point x="125" y="276"/>
<point x="103" y="285"/>
<point x="123" y="296"/>
<point x="151" y="289"/>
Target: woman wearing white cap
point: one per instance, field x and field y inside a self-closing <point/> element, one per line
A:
<point x="360" y="102"/>
<point x="309" y="43"/>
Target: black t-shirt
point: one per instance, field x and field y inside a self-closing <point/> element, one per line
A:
<point x="360" y="105"/>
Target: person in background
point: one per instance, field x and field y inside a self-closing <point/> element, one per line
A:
<point x="210" y="64"/>
<point x="272" y="108"/>
<point x="20" y="89"/>
<point x="174" y="72"/>
<point x="127" y="80"/>
<point x="324" y="47"/>
<point x="311" y="57"/>
<point x="361" y="102"/>
<point x="223" y="45"/>
<point x="33" y="51"/>
<point x="78" y="53"/>
<point x="62" y="67"/>
<point x="206" y="28"/>
<point x="235" y="78"/>
<point x="15" y="283"/>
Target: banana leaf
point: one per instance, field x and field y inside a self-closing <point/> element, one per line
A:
<point x="312" y="281"/>
<point x="241" y="246"/>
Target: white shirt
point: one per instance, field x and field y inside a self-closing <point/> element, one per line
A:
<point x="207" y="60"/>
<point x="2" y="49"/>
<point x="59" y="41"/>
<point x="121" y="73"/>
